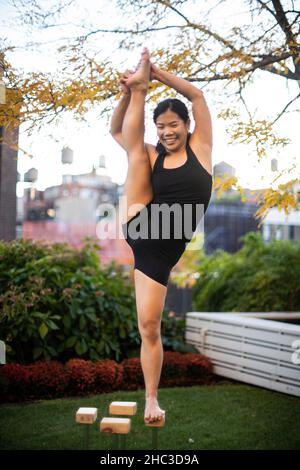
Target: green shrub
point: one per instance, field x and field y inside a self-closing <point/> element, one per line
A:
<point x="173" y="333"/>
<point x="260" y="277"/>
<point x="59" y="302"/>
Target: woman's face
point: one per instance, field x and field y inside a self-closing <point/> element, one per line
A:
<point x="172" y="131"/>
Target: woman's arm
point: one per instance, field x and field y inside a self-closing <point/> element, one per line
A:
<point x="118" y="117"/>
<point x="120" y="111"/>
<point x="181" y="85"/>
<point x="201" y="114"/>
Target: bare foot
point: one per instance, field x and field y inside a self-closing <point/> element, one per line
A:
<point x="153" y="412"/>
<point x="140" y="78"/>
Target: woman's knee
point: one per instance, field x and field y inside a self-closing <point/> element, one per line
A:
<point x="149" y="329"/>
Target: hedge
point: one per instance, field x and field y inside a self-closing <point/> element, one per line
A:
<point x="79" y="377"/>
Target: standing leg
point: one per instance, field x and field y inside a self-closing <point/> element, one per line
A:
<point x="150" y="299"/>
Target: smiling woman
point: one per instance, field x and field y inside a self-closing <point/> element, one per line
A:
<point x="173" y="175"/>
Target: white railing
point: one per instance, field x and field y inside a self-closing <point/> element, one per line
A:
<point x="2" y="352"/>
<point x="250" y="349"/>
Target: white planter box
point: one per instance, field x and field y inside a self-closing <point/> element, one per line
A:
<point x="249" y="349"/>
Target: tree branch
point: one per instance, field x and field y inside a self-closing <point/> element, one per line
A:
<point x="282" y="21"/>
<point x="129" y="31"/>
<point x="263" y="64"/>
<point x="285" y="108"/>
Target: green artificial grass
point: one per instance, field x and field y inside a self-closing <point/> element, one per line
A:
<point x="223" y="416"/>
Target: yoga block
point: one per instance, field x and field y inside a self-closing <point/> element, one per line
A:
<point x="157" y="424"/>
<point x="86" y="415"/>
<point x="123" y="408"/>
<point x="115" y="425"/>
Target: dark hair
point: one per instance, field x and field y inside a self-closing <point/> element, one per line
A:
<point x="178" y="107"/>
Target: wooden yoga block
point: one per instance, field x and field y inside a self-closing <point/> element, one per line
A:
<point x="154" y="430"/>
<point x="157" y="424"/>
<point x="115" y="425"/>
<point x="123" y="408"/>
<point x="86" y="415"/>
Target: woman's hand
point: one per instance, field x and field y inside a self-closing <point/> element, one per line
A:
<point x="154" y="72"/>
<point x="122" y="82"/>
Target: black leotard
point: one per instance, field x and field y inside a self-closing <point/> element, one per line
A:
<point x="189" y="184"/>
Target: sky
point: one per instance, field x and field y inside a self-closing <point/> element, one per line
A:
<point x="89" y="140"/>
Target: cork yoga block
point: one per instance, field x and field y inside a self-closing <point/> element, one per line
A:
<point x="115" y="425"/>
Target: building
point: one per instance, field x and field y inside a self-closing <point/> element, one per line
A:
<point x="8" y="182"/>
<point x="223" y="168"/>
<point x="280" y="226"/>
<point x="73" y="210"/>
<point x="226" y="220"/>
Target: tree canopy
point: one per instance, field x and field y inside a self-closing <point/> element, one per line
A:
<point x="230" y="60"/>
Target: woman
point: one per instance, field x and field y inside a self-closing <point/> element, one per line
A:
<point x="177" y="170"/>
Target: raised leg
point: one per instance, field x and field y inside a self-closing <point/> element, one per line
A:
<point x="150" y="300"/>
<point x="138" y="187"/>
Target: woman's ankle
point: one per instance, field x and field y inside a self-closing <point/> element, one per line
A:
<point x="151" y="396"/>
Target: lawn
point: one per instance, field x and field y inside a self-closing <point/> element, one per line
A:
<point x="223" y="416"/>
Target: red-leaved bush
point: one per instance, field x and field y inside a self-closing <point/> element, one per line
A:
<point x="47" y="379"/>
<point x="78" y="377"/>
<point x="108" y="376"/>
<point x="14" y="382"/>
<point x="132" y="374"/>
<point x="81" y="376"/>
<point x="173" y="369"/>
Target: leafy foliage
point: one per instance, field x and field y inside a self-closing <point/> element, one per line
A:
<point x="230" y="60"/>
<point x="58" y="302"/>
<point x="258" y="278"/>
